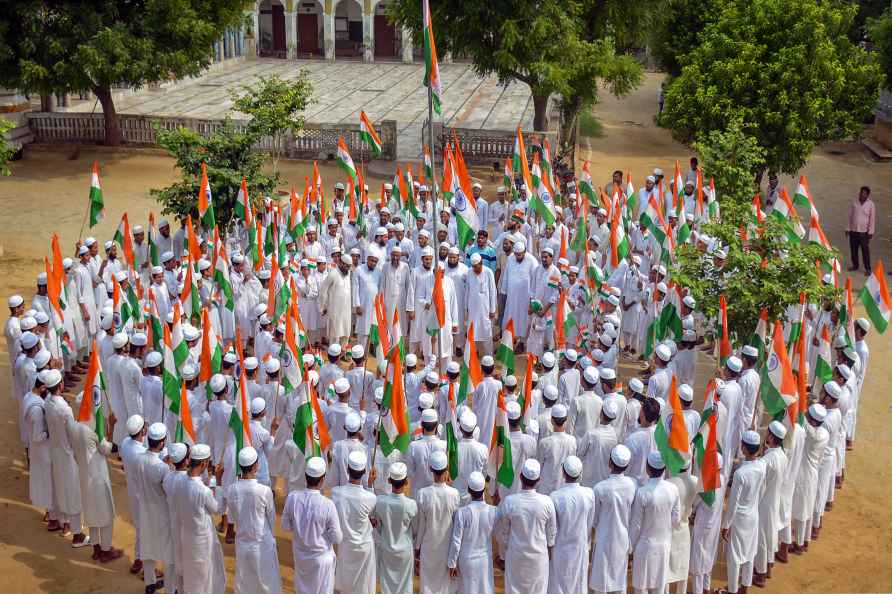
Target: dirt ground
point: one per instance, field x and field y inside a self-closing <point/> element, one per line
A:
<point x="48" y="193"/>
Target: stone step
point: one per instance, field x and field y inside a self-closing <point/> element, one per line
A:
<point x="880" y="152"/>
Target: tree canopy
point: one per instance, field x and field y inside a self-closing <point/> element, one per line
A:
<point x="787" y="68"/>
<point x="677" y="30"/>
<point x="64" y="45"/>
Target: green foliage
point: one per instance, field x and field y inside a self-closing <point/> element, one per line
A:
<point x="880" y="30"/>
<point x="677" y="32"/>
<point x="6" y="149"/>
<point x="787" y="68"/>
<point x="276" y="108"/>
<point x="730" y="157"/>
<point x="590" y="126"/>
<point x="229" y="157"/>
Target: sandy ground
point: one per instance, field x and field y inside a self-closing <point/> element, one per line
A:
<point x="48" y="192"/>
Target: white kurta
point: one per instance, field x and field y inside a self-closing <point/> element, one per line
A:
<point x="574" y="507"/>
<point x="96" y="491"/>
<point x="421" y="286"/>
<point x="584" y="414"/>
<point x="706" y="531"/>
<point x="481" y="299"/>
<point x="395" y="289"/>
<point x="66" y="482"/>
<point x="366" y="285"/>
<point x="154" y="515"/>
<point x="775" y="461"/>
<point x="395" y="515"/>
<point x="655" y="511"/>
<point x="203" y="570"/>
<point x="40" y="466"/>
<point x="251" y="508"/>
<point x="687" y="486"/>
<point x="335" y="297"/>
<point x="610" y="520"/>
<point x="794" y="445"/>
<point x="528" y="526"/>
<point x="356" y="554"/>
<point x="436" y="506"/>
<point x="552" y="452"/>
<point x="523" y="446"/>
<point x="486" y="398"/>
<point x="742" y="512"/>
<point x="594" y="451"/>
<point x="816" y="439"/>
<point x="470" y="548"/>
<point x="515" y="283"/>
<point x="313" y="520"/>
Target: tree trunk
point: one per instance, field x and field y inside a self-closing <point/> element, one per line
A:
<point x="540" y="111"/>
<point x="46" y="102"/>
<point x="113" y="136"/>
<point x="570" y="110"/>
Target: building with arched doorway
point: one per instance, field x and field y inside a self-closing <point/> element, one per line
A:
<point x="333" y="29"/>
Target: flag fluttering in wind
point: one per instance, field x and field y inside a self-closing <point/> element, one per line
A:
<point x="431" y="67"/>
<point x="97" y="205"/>
<point x="778" y="388"/>
<point x="505" y="351"/>
<point x="674" y="444"/>
<point x="875" y="297"/>
<point x="90" y="412"/>
<point x="501" y="464"/>
<point x="205" y="201"/>
<point x="395" y="434"/>
<point x="344" y="160"/>
<point x="368" y="134"/>
<point x="470" y="375"/>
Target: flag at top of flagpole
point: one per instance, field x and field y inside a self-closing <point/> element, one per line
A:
<point x="205" y="202"/>
<point x="97" y="206"/>
<point x="431" y="67"/>
<point x="875" y="297"/>
<point x="368" y="134"/>
<point x="345" y="161"/>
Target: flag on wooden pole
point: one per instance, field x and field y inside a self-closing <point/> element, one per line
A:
<point x="97" y="205"/>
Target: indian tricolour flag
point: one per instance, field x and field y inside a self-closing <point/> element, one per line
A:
<point x="706" y="451"/>
<point x="724" y="343"/>
<point x="396" y="337"/>
<point x="205" y="201"/>
<point x="619" y="242"/>
<point x="519" y="163"/>
<point x="428" y="163"/>
<point x="368" y="134"/>
<point x="221" y="274"/>
<point x="97" y="205"/>
<point x="803" y="198"/>
<point x="652" y="218"/>
<point x="185" y="429"/>
<point x="243" y="205"/>
<point x="211" y="353"/>
<point x="778" y="388"/>
<point x="471" y="375"/>
<point x="379" y="341"/>
<point x="431" y="67"/>
<point x="292" y="358"/>
<point x="505" y="351"/>
<point x="170" y="376"/>
<point x="541" y="199"/>
<point x="90" y="412"/>
<point x="786" y="214"/>
<point x="565" y="320"/>
<point x="395" y="434"/>
<point x="190" y="295"/>
<point x="239" y="419"/>
<point x="344" y="160"/>
<point x="875" y="297"/>
<point x="180" y="348"/>
<point x="452" y="433"/>
<point x="501" y="463"/>
<point x="674" y="444"/>
<point x="124" y="238"/>
<point x="464" y="205"/>
<point x="824" y="363"/>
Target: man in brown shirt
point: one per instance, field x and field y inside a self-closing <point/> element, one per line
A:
<point x="862" y="222"/>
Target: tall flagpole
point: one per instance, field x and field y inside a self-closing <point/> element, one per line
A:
<point x="430" y="135"/>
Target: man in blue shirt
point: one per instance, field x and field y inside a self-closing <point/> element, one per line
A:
<point x="485" y="249"/>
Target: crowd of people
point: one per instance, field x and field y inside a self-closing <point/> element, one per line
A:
<point x="526" y="454"/>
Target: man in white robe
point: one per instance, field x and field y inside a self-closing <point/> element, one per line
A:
<point x="481" y="303"/>
<point x="485" y="400"/>
<point x="470" y="548"/>
<point x="356" y="570"/>
<point x="154" y="515"/>
<point x="611" y="511"/>
<point x="335" y="297"/>
<point x="366" y="285"/>
<point x="395" y="278"/>
<point x="813" y="450"/>
<point x="596" y="445"/>
<point x="775" y="460"/>
<point x="433" y="527"/>
<point x="394" y="518"/>
<point x="523" y="447"/>
<point x="86" y="299"/>
<point x="705" y="536"/>
<point x="313" y="521"/>
<point x="515" y="283"/>
<point x="574" y="507"/>
<point x="554" y="450"/>
<point x="472" y="455"/>
<point x="687" y="486"/>
<point x="794" y="444"/>
<point x="40" y="472"/>
<point x="418" y="303"/>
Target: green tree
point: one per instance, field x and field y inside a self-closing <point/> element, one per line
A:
<point x="276" y="108"/>
<point x="787" y="68"/>
<point x="64" y="45"/>
<point x="880" y="31"/>
<point x="730" y="157"/>
<point x="6" y="149"/>
<point x="677" y="31"/>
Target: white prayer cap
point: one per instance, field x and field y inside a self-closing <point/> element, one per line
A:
<point x="636" y="385"/>
<point x="607" y="373"/>
<point x="548" y="360"/>
<point x="863" y="323"/>
<point x="28" y="323"/>
<point x="50" y="377"/>
<point x="572" y="466"/>
<point x="28" y="340"/>
<point x="550" y="392"/>
<point x="591" y="374"/>
<point x="357" y="460"/>
<point x="388" y="186"/>
<point x="571" y="355"/>
<point x="157" y="431"/>
<point x="411" y="360"/>
<point x="686" y="393"/>
<point x="817" y="412"/>
<point x="41" y="318"/>
<point x="379" y="394"/>
<point x="535" y="377"/>
<point x="247" y="456"/>
<point x="558" y="411"/>
<point x="398" y="471"/>
<point x="476" y="482"/>
<point x="432" y="378"/>
<point x="425" y="400"/>
<point x="423" y="188"/>
<point x="477" y="185"/>
<point x="137" y="229"/>
<point x="176" y="452"/>
<point x="688" y="336"/>
<point x="849" y="354"/>
<point x="620" y="455"/>
<point x="605" y="338"/>
<point x="346" y="259"/>
<point x="334" y="350"/>
<point x="548" y="250"/>
<point x="109" y="244"/>
<point x="500" y="190"/>
<point x="531" y="469"/>
<point x="749" y="351"/>
<point x="596" y="239"/>
<point x="833" y="390"/>
<point x="513" y="410"/>
<point x="439" y="461"/>
<point x="357" y="352"/>
<point x="487" y="361"/>
<point x="315" y="467"/>
<point x="425" y="233"/>
<point x="339" y="186"/>
<point x="777" y="429"/>
<point x="42" y="358"/>
<point x="844" y="370"/>
<point x="662" y="288"/>
<point x="15" y="301"/>
<point x="258" y="405"/>
<point x="751" y="438"/>
<point x="690" y="301"/>
<point x="120" y="340"/>
<point x="134" y="424"/>
<point x="840" y="341"/>
<point x="453" y="251"/>
<point x="83" y="250"/>
<point x="468" y="421"/>
<point x="453" y="367"/>
<point x="200" y="451"/>
<point x="107" y="320"/>
<point x="264" y="274"/>
<point x="342" y="385"/>
<point x="163" y="223"/>
<point x="664" y="353"/>
<point x="520" y="247"/>
<point x="610" y="409"/>
<point x="655" y="460"/>
<point x="166" y="256"/>
<point x="511" y="381"/>
<point x="191" y="333"/>
<point x="204" y="264"/>
<point x="476" y="258"/>
<point x="385" y="209"/>
<point x="217" y="383"/>
<point x="153" y="359"/>
<point x="352" y="422"/>
<point x="157" y="270"/>
<point x="734" y="364"/>
<point x="827" y="279"/>
<point x="429" y="415"/>
<point x="189" y="371"/>
<point x="308" y="359"/>
<point x="41" y="278"/>
<point x="251" y="363"/>
<point x="380" y="231"/>
<point x="613" y="300"/>
<point x="427" y="251"/>
<point x="658" y="172"/>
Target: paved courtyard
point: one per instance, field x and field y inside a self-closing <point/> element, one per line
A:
<point x="385" y="90"/>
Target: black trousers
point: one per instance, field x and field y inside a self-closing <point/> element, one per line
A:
<point x="859" y="241"/>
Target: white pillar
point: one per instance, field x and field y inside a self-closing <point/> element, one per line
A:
<point x="291" y="34"/>
<point x="407" y="45"/>
<point x="328" y="34"/>
<point x="253" y="48"/>
<point x="447" y="58"/>
<point x="368" y="37"/>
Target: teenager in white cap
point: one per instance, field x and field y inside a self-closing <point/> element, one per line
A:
<point x="688" y="486"/>
<point x="260" y="440"/>
<point x="481" y="301"/>
<point x="641" y="442"/>
<point x="203" y="571"/>
<point x="307" y="285"/>
<point x="543" y="296"/>
<point x="655" y="511"/>
<point x="338" y="411"/>
<point x="85" y="297"/>
<point x="150" y="386"/>
<point x="418" y="301"/>
<point x="486" y="398"/>
<point x="174" y="482"/>
<point x="705" y="536"/>
<point x="776" y="467"/>
<point x="356" y="570"/>
<point x="362" y="381"/>
<point x="313" y="521"/>
<point x="612" y="507"/>
<point x="596" y="445"/>
<point x="658" y="384"/>
<point x="731" y="396"/>
<point x="91" y="454"/>
<point x="569" y="380"/>
<point x="331" y="370"/>
<point x="433" y="526"/>
<point x="420" y="450"/>
<point x="130" y="378"/>
<point x="393" y="518"/>
<point x="130" y="451"/>
<point x="12" y="330"/>
<point x="523" y="447"/>
<point x="154" y="516"/>
<point x="574" y="507"/>
<point x="40" y="477"/>
<point x="816" y="439"/>
<point x="528" y="527"/>
<point x="827" y="474"/>
<point x="749" y="381"/>
<point x="335" y="297"/>
<point x="740" y="526"/>
<point x="252" y="509"/>
<point x="338" y="473"/>
<point x="470" y="549"/>
<point x="585" y="409"/>
<point x="395" y="279"/>
<point x="515" y="282"/>
<point x="114" y="387"/>
<point x="472" y="455"/>
<point x="553" y="450"/>
<point x="793" y="448"/>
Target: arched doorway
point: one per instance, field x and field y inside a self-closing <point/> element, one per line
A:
<point x="386" y="40"/>
<point x="309" y="29"/>
<point x="271" y="39"/>
<point x="348" y="29"/>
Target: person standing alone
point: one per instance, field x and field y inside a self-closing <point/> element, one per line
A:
<point x="862" y="223"/>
